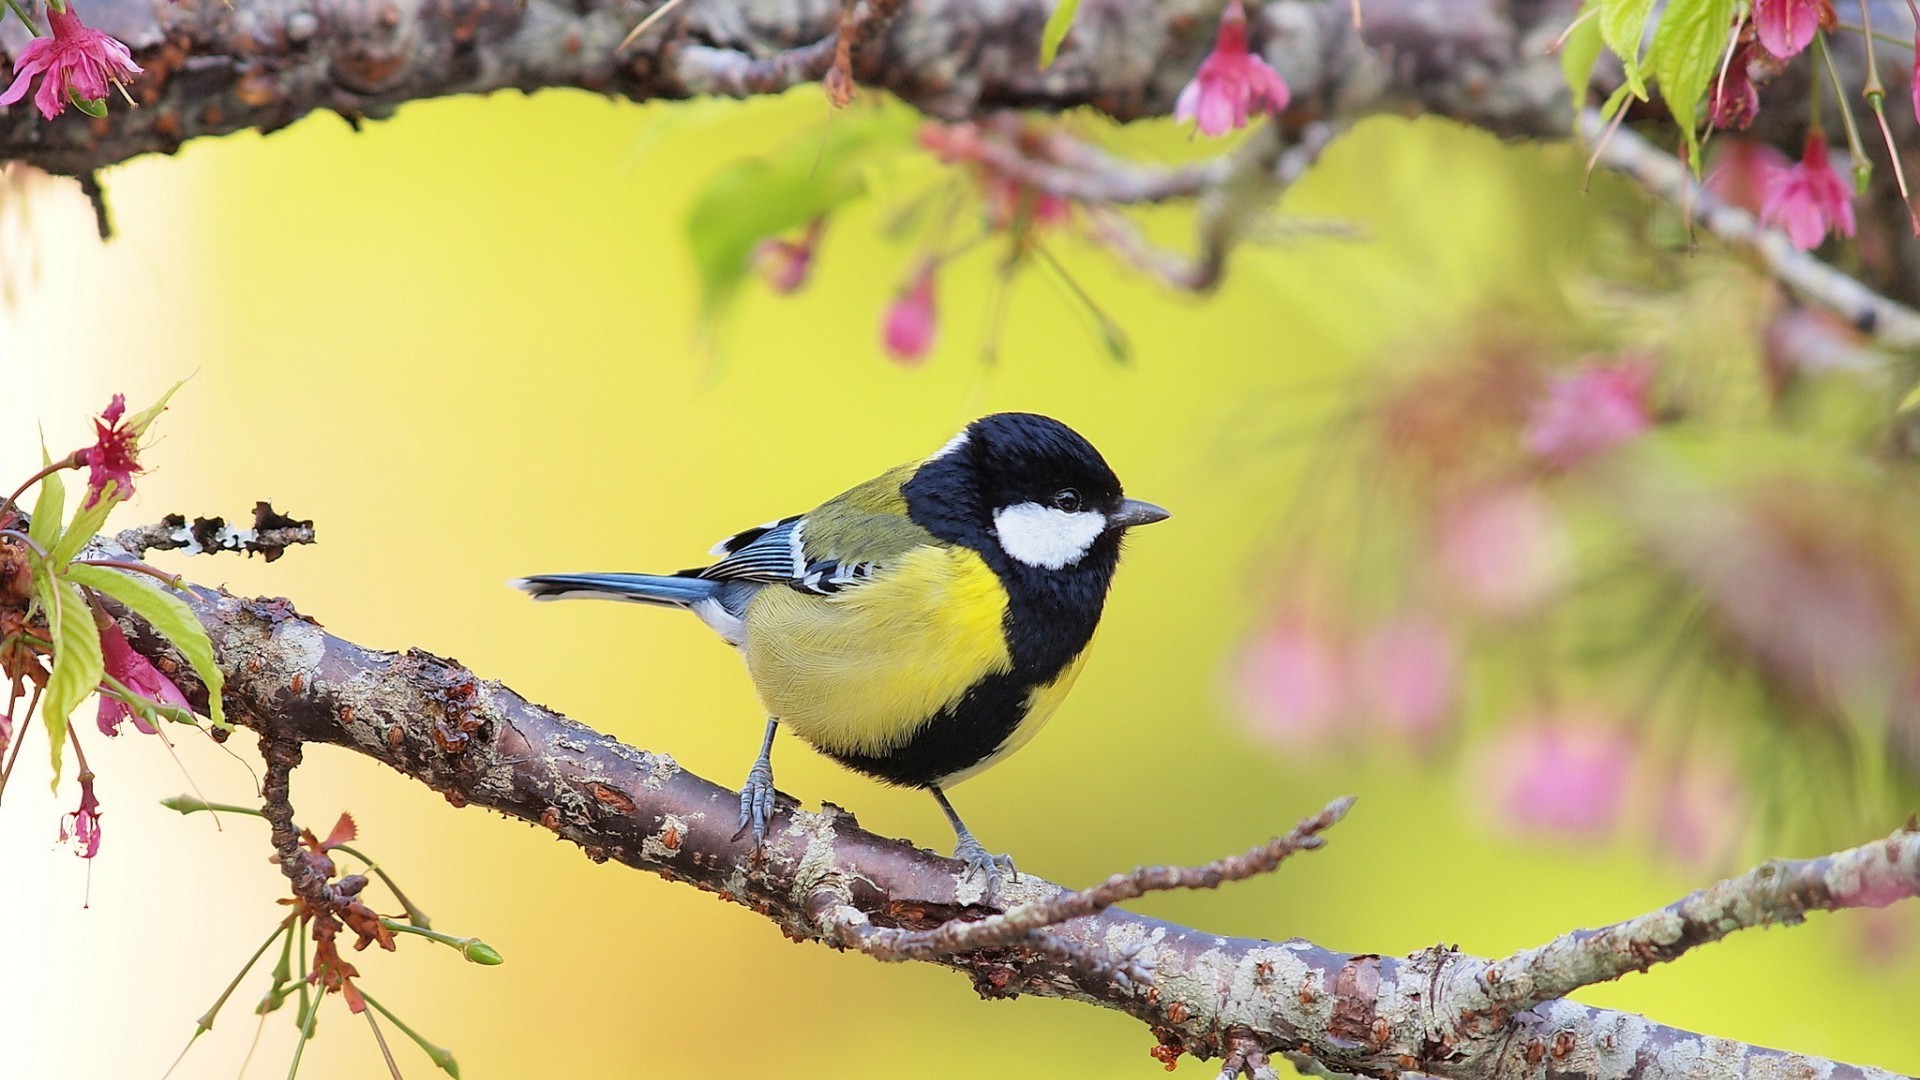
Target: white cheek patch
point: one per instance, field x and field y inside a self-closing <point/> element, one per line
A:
<point x="1047" y="537"/>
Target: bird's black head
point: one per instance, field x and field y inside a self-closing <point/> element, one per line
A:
<point x="1029" y="488"/>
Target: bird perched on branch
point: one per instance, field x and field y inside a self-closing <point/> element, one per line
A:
<point x="923" y="625"/>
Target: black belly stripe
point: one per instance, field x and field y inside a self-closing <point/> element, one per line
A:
<point x="956" y="739"/>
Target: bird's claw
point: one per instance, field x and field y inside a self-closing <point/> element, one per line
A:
<point x="757" y="799"/>
<point x="980" y="861"/>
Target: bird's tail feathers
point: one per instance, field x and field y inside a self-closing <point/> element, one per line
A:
<point x="668" y="590"/>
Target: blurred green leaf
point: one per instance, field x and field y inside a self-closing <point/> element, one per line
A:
<point x="77" y="664"/>
<point x="1687" y="48"/>
<point x="1056" y="29"/>
<point x="169" y="615"/>
<point x="1623" y="26"/>
<point x="762" y="197"/>
<point x="1579" y="52"/>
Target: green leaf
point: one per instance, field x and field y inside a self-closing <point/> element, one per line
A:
<point x="86" y="524"/>
<point x="1580" y="52"/>
<point x="77" y="665"/>
<point x="1687" y="48"/>
<point x="138" y="425"/>
<point x="761" y="197"/>
<point x="48" y="509"/>
<point x="1056" y="29"/>
<point x="1623" y="25"/>
<point x="169" y="615"/>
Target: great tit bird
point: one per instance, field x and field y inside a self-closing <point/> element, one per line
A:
<point x="923" y="625"/>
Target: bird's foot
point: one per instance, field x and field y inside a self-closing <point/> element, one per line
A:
<point x="757" y="800"/>
<point x="980" y="861"/>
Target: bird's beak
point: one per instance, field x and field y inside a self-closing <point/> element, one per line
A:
<point x="1133" y="512"/>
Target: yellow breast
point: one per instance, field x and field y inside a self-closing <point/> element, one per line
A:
<point x="859" y="670"/>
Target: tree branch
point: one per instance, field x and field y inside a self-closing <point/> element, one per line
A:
<point x="822" y="878"/>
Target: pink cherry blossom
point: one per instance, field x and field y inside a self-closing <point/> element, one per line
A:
<point x="1786" y="26"/>
<point x="139" y="676"/>
<point x="1290" y="684"/>
<point x="1565" y="774"/>
<point x="1231" y="82"/>
<point x="82" y="826"/>
<point x="1408" y="671"/>
<point x="912" y="318"/>
<point x="1733" y="100"/>
<point x="77" y="60"/>
<point x="113" y="455"/>
<point x="1589" y="410"/>
<point x="1504" y="548"/>
<point x="1808" y="199"/>
<point x="6" y="731"/>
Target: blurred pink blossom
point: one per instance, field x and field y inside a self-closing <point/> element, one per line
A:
<point x="1700" y="813"/>
<point x="1740" y="171"/>
<point x="1231" y="82"/>
<point x="1809" y="199"/>
<point x="1590" y="409"/>
<point x="911" y="318"/>
<point x="1408" y="671"/>
<point x="784" y="264"/>
<point x="1565" y="774"/>
<point x="1504" y="548"/>
<point x="1290" y="683"/>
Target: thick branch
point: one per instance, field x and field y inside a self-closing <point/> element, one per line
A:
<point x="214" y="69"/>
<point x="822" y="878"/>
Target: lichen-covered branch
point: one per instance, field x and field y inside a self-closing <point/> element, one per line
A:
<point x="269" y="537"/>
<point x="822" y="878"/>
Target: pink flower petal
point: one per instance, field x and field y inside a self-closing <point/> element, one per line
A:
<point x="1786" y="26"/>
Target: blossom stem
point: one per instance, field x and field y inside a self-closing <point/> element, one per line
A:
<point x="187" y="804"/>
<point x="312" y="1010"/>
<point x="1880" y="36"/>
<point x="134" y="700"/>
<point x="440" y="1055"/>
<point x="79" y="755"/>
<point x="19" y="736"/>
<point x="1862" y="168"/>
<point x="471" y="949"/>
<point x="12" y="504"/>
<point x="176" y="582"/>
<point x="205" y="1023"/>
<point x="14" y="6"/>
<point x="414" y="915"/>
<point x="393" y="1069"/>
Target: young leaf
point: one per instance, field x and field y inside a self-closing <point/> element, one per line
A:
<point x="1056" y="29"/>
<point x="169" y="615"/>
<point x="48" y="509"/>
<point x="1687" y="47"/>
<point x="1580" y="51"/>
<point x="77" y="666"/>
<point x="761" y="197"/>
<point x="86" y="523"/>
<point x="1623" y="25"/>
<point x="138" y="425"/>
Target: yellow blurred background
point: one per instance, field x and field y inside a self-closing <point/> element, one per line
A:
<point x="465" y="343"/>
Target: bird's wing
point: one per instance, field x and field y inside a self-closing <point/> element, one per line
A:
<point x="844" y="542"/>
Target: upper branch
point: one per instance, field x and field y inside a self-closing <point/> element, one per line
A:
<point x="823" y="878"/>
<point x="212" y="68"/>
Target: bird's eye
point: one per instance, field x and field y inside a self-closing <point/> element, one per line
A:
<point x="1067" y="499"/>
